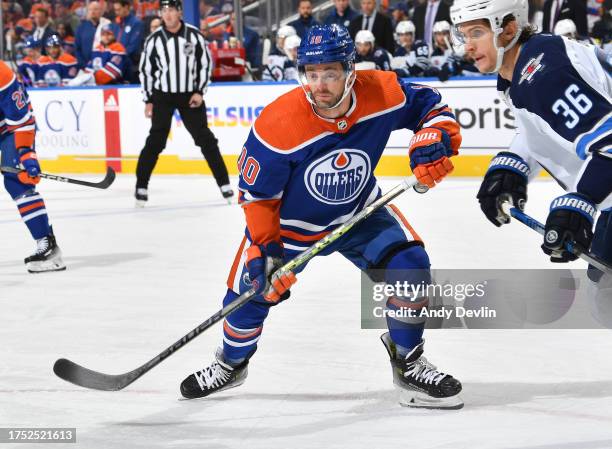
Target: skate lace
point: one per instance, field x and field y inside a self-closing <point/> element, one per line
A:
<point x="423" y="371"/>
<point x="42" y="245"/>
<point x="212" y="376"/>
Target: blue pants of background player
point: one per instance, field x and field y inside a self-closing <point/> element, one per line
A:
<point x="30" y="204"/>
<point x="384" y="241"/>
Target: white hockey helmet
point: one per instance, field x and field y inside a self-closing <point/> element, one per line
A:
<point x="566" y="27"/>
<point x="494" y="11"/>
<point x="292" y="42"/>
<point x="405" y="27"/>
<point x="286" y="31"/>
<point x="365" y="37"/>
<point x="441" y="27"/>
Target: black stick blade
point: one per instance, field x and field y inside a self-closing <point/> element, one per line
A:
<point x="83" y="377"/>
<point x="108" y="179"/>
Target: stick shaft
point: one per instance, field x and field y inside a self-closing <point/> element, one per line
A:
<point x="540" y="229"/>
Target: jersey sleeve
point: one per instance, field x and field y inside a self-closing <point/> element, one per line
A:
<point x="264" y="174"/>
<point x="573" y="101"/>
<point x="425" y="108"/>
<point x="16" y="107"/>
<point x="573" y="97"/>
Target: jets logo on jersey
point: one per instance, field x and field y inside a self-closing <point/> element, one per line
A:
<point x="338" y="177"/>
<point x="532" y="67"/>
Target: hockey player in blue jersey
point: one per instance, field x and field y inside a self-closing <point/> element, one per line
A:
<point x="28" y="66"/>
<point x="560" y="94"/>
<point x="17" y="150"/>
<point x="307" y="167"/>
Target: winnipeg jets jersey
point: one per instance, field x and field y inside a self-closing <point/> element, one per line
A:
<point x="561" y="97"/>
<point x="279" y="68"/>
<point x="316" y="173"/>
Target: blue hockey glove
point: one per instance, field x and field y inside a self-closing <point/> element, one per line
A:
<point x="262" y="262"/>
<point x="29" y="161"/>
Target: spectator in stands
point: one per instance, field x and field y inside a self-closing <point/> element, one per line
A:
<point x="156" y="22"/>
<point x="88" y="33"/>
<point x="375" y="22"/>
<point x="27" y="68"/>
<point x="207" y="9"/>
<point x="305" y="22"/>
<point x="602" y="29"/>
<point x="43" y="30"/>
<point x="399" y="13"/>
<point x="44" y="4"/>
<point x="555" y="10"/>
<point x="251" y="42"/>
<point x="342" y="14"/>
<point x="428" y="13"/>
<point x="66" y="34"/>
<point x="63" y="14"/>
<point x="128" y="31"/>
<point x="146" y="8"/>
<point x="57" y="67"/>
<point x="370" y="56"/>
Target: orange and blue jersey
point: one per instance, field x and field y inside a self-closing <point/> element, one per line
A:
<point x="303" y="175"/>
<point x="56" y="72"/>
<point x="109" y="64"/>
<point x="28" y="69"/>
<point x="15" y="110"/>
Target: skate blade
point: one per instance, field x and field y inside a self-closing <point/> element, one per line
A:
<point x="45" y="268"/>
<point x="416" y="399"/>
<point x="140" y="204"/>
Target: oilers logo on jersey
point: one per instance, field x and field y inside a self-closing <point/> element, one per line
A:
<point x="338" y="177"/>
<point x="52" y="78"/>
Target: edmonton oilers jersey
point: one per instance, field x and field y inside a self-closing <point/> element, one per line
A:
<point x="560" y="95"/>
<point x="56" y="72"/>
<point x="321" y="170"/>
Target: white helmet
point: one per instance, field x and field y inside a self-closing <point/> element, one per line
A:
<point x="286" y="31"/>
<point x="292" y="42"/>
<point x="495" y="11"/>
<point x="364" y="37"/>
<point x="566" y="27"/>
<point x="405" y="27"/>
<point x="441" y="27"/>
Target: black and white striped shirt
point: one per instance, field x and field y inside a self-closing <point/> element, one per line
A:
<point x="175" y="63"/>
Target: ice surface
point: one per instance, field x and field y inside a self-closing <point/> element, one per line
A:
<point x="139" y="279"/>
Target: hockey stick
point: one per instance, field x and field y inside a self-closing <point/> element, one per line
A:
<point x="104" y="184"/>
<point x="539" y="227"/>
<point x="87" y="378"/>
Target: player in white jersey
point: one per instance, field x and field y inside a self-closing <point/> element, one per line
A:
<point x="559" y="90"/>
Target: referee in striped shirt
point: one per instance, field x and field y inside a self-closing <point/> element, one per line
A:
<point x="175" y="69"/>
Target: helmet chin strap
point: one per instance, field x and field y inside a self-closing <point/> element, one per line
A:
<point x="348" y="86"/>
<point x="502" y="51"/>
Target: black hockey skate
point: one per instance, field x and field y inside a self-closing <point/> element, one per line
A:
<point x="142" y="196"/>
<point x="47" y="257"/>
<point x="218" y="376"/>
<point x="227" y="192"/>
<point x="419" y="383"/>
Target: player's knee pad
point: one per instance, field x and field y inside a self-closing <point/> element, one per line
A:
<point x="407" y="261"/>
<point x="16" y="188"/>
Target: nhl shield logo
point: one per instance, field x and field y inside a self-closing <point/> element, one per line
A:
<point x="342" y="124"/>
<point x="188" y="49"/>
<point x="338" y="177"/>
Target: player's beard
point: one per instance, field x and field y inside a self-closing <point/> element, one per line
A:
<point x="327" y="102"/>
